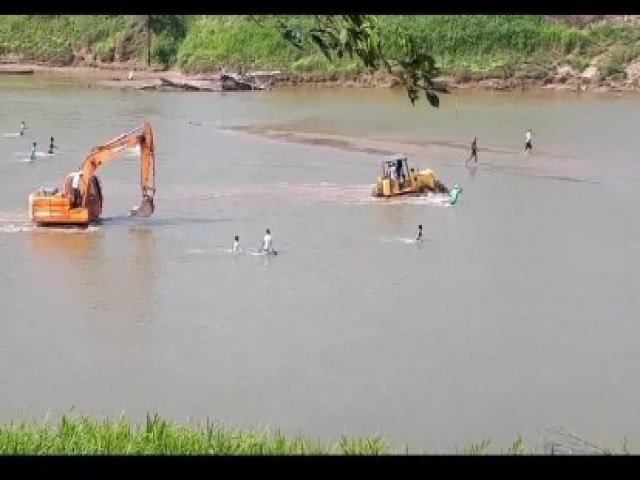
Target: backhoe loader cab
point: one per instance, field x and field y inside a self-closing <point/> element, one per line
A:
<point x="397" y="178"/>
<point x="395" y="165"/>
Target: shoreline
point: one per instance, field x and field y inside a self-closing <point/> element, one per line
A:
<point x="114" y="75"/>
<point x="82" y="434"/>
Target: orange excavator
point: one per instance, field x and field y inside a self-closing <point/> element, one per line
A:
<point x="79" y="201"/>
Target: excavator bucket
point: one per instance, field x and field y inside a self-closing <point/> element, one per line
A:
<point x="145" y="209"/>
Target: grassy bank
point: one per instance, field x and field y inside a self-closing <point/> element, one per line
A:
<point x="58" y="39"/>
<point x="83" y="435"/>
<point x="464" y="45"/>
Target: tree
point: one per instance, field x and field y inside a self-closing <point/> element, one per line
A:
<point x="174" y="26"/>
<point x="405" y="56"/>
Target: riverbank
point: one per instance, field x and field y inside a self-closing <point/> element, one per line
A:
<point x="132" y="76"/>
<point x="489" y="52"/>
<point x="156" y="436"/>
<point x="82" y="435"/>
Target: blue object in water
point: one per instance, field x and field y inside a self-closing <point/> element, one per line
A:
<point x="454" y="193"/>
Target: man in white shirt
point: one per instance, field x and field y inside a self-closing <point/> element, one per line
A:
<point x="236" y="245"/>
<point x="75" y="186"/>
<point x="392" y="173"/>
<point x="267" y="243"/>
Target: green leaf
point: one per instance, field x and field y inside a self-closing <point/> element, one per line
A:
<point x="432" y="98"/>
<point x="293" y="37"/>
<point x="320" y="43"/>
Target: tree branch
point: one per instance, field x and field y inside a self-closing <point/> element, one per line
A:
<point x="361" y="37"/>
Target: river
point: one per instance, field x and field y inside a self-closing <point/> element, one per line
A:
<point x="515" y="315"/>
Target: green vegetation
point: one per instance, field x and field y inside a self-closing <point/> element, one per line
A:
<point x="615" y="59"/>
<point x="483" y="42"/>
<point x="85" y="436"/>
<point x="55" y="38"/>
<point x="463" y="45"/>
<point x="82" y="435"/>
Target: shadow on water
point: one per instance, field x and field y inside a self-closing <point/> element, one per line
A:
<point x="144" y="272"/>
<point x="472" y="170"/>
<point x="519" y="172"/>
<point x="79" y="261"/>
<point x="564" y="178"/>
<point x="70" y="244"/>
<point x="73" y="257"/>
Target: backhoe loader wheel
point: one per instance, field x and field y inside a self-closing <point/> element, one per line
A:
<point x="440" y="188"/>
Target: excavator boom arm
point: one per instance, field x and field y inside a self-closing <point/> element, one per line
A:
<point x="141" y="136"/>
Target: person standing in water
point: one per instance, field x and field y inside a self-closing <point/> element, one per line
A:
<point x="419" y="234"/>
<point x="527" y="142"/>
<point x="23" y="127"/>
<point x="267" y="243"/>
<point x="474" y="151"/>
<point x="236" y="245"/>
<point x="51" y="146"/>
<point x="33" y="151"/>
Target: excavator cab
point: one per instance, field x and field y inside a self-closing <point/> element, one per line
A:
<point x="93" y="194"/>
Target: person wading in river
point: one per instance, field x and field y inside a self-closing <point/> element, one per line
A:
<point x="236" y="248"/>
<point x="474" y="151"/>
<point x="527" y="143"/>
<point x="267" y="244"/>
<point x="52" y="146"/>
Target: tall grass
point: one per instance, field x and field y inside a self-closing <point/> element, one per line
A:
<point x="81" y="435"/>
<point x="480" y="43"/>
<point x="232" y="41"/>
<point x="55" y="38"/>
<point x="463" y="35"/>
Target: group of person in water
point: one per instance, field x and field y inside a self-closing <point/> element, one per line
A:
<point x="528" y="148"/>
<point x="267" y="243"/>
<point x="34" y="145"/>
<point x="266" y="247"/>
